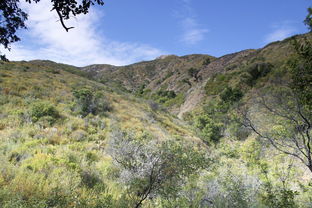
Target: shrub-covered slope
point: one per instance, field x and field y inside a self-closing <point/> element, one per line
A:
<point x="186" y="77"/>
<point x="55" y="127"/>
<point x="101" y="136"/>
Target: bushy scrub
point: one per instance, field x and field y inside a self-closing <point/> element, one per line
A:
<point x="177" y="100"/>
<point x="231" y="95"/>
<point x="166" y="94"/>
<point x="217" y="83"/>
<point x="206" y="62"/>
<point x="255" y="71"/>
<point x="152" y="169"/>
<point x="193" y="72"/>
<point x="210" y="130"/>
<point x="279" y="197"/>
<point x="230" y="190"/>
<point x="168" y="97"/>
<point x="89" y="102"/>
<point x="44" y="112"/>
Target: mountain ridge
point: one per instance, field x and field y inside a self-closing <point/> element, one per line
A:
<point x="171" y="73"/>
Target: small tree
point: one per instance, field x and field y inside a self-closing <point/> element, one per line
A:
<point x="192" y="72"/>
<point x="231" y="95"/>
<point x="308" y="19"/>
<point x="207" y="62"/>
<point x="210" y="130"/>
<point x="44" y="110"/>
<point x="90" y="102"/>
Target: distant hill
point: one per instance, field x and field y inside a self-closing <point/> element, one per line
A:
<point x="172" y="73"/>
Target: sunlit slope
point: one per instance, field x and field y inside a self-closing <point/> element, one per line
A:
<point x="180" y="83"/>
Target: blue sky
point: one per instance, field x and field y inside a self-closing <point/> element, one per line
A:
<point x="123" y="32"/>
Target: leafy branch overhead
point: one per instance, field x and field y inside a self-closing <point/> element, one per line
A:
<point x="12" y="17"/>
<point x="308" y="19"/>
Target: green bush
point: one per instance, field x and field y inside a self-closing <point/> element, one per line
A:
<point x="192" y="72"/>
<point x="163" y="96"/>
<point x="206" y="62"/>
<point x="177" y="100"/>
<point x="217" y="83"/>
<point x="166" y="93"/>
<point x="231" y="95"/>
<point x="210" y="130"/>
<point x="140" y="90"/>
<point x="88" y="102"/>
<point x="44" y="111"/>
<point x="278" y="197"/>
<point x="257" y="71"/>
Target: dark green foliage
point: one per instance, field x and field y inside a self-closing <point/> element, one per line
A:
<point x="301" y="71"/>
<point x="217" y="83"/>
<point x="44" y="111"/>
<point x="257" y="71"/>
<point x="216" y="115"/>
<point x="231" y="95"/>
<point x="186" y="81"/>
<point x="84" y="100"/>
<point x="140" y="91"/>
<point x="91" y="157"/>
<point x="168" y="98"/>
<point x="207" y="62"/>
<point x="13" y="17"/>
<point x="90" y="178"/>
<point x="210" y="130"/>
<point x="53" y="71"/>
<point x="177" y="100"/>
<point x="167" y="93"/>
<point x="278" y="197"/>
<point x="88" y="102"/>
<point x="192" y="72"/>
<point x="308" y="19"/>
<point x="162" y="96"/>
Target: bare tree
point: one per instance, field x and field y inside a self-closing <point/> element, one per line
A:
<point x="279" y="117"/>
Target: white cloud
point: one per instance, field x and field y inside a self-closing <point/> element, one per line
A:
<point x="280" y="32"/>
<point x="193" y="32"/>
<point x="83" y="45"/>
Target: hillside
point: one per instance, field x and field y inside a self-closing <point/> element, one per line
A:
<point x="173" y="73"/>
<point x="55" y="125"/>
<point x="163" y="133"/>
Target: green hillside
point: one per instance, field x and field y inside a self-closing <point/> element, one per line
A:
<point x="172" y="132"/>
<point x="52" y="141"/>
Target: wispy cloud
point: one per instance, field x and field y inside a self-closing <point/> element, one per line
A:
<point x="193" y="32"/>
<point x="83" y="45"/>
<point x="280" y="32"/>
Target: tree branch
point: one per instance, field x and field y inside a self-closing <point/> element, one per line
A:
<point x="62" y="20"/>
